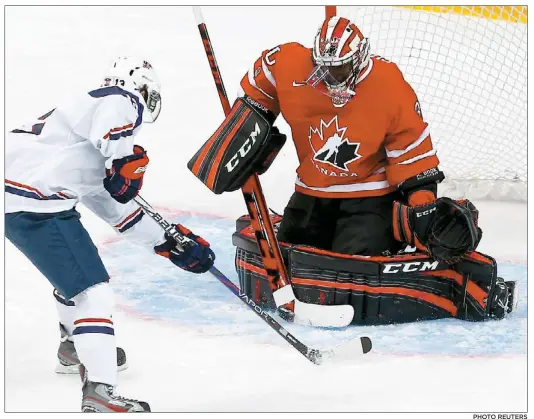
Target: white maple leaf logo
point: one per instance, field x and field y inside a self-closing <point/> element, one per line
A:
<point x="336" y="150"/>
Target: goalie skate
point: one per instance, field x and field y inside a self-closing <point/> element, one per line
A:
<point x="504" y="299"/>
<point x="513" y="295"/>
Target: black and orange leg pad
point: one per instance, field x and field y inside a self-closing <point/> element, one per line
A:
<point x="382" y="289"/>
<point x="227" y="159"/>
<point x="253" y="278"/>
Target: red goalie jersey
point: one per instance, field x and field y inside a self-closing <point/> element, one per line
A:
<point x="367" y="147"/>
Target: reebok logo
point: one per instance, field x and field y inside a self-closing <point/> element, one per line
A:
<point x="427" y="173"/>
<point x="256" y="104"/>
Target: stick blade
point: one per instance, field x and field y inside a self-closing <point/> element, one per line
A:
<point x="323" y="316"/>
<point x="347" y="351"/>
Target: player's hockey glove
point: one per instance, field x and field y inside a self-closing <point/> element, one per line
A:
<point x="445" y="229"/>
<point x="196" y="258"/>
<point x="125" y="179"/>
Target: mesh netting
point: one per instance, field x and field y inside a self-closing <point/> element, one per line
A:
<point x="468" y="66"/>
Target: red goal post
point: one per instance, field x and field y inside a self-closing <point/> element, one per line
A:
<point x="468" y="66"/>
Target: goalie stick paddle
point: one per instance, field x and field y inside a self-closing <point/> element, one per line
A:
<point x="342" y="352"/>
<point x="290" y="308"/>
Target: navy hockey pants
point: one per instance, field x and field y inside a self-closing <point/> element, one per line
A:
<point x="59" y="247"/>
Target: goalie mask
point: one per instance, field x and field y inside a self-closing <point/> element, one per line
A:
<point x="340" y="53"/>
<point x="138" y="76"/>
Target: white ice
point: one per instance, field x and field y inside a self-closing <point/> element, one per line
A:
<point x="192" y="346"/>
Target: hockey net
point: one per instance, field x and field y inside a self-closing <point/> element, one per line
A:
<point x="468" y="66"/>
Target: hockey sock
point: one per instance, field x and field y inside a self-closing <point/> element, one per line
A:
<point x="66" y="311"/>
<point x="94" y="335"/>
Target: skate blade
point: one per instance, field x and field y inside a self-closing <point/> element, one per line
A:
<point x="74" y="369"/>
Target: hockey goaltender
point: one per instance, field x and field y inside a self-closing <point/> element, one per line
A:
<point x="366" y="189"/>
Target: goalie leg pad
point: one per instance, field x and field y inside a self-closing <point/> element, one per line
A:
<point x="382" y="290"/>
<point x="253" y="278"/>
<point x="241" y="146"/>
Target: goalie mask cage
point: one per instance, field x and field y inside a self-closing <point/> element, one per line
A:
<point x="468" y="66"/>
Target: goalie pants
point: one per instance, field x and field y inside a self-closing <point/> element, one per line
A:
<point x="361" y="226"/>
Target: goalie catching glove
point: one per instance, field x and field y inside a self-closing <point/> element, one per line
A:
<point x="197" y="257"/>
<point x="445" y="229"/>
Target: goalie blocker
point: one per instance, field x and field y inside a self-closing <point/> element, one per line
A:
<point x="244" y="144"/>
<point x="382" y="290"/>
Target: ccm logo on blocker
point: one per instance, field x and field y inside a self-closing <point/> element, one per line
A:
<point x="243" y="151"/>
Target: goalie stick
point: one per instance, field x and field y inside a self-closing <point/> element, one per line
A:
<point x="289" y="307"/>
<point x="341" y="352"/>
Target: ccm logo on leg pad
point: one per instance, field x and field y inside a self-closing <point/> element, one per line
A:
<point x="393" y="268"/>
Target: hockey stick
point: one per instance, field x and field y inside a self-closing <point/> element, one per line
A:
<point x="317" y="356"/>
<point x="260" y="220"/>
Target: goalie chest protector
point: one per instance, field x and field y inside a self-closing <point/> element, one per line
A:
<point x="382" y="290"/>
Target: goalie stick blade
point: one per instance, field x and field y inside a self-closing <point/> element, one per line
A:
<point x="323" y="316"/>
<point x="342" y="353"/>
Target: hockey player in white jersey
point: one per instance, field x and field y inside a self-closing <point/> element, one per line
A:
<point x="84" y="152"/>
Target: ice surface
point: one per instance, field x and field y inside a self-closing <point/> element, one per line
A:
<point x="168" y="296"/>
<point x="192" y="346"/>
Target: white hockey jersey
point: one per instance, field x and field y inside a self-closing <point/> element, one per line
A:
<point x="60" y="159"/>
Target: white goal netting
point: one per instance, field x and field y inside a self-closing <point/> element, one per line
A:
<point x="468" y="66"/>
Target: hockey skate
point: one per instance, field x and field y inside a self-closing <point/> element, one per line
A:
<point x="101" y="398"/>
<point x="504" y="298"/>
<point x="68" y="358"/>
